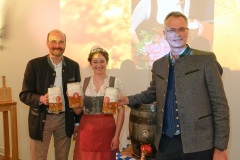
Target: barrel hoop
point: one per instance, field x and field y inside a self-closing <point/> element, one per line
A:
<point x="137" y="142"/>
<point x="142" y="120"/>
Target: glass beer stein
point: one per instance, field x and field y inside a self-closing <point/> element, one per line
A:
<point x="110" y="101"/>
<point x="55" y="100"/>
<point x="74" y="94"/>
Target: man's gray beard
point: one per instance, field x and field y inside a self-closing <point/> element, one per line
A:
<point x="57" y="54"/>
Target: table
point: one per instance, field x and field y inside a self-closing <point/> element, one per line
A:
<point x="6" y="107"/>
<point x="126" y="153"/>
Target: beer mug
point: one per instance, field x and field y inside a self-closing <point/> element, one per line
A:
<point x="110" y="101"/>
<point x="55" y="100"/>
<point x="74" y="94"/>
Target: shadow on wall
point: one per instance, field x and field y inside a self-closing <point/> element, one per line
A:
<point x="232" y="89"/>
<point x="201" y="43"/>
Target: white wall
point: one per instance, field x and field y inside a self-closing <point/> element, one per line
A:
<point x="22" y="45"/>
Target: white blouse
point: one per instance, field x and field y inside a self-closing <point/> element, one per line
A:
<point x="91" y="88"/>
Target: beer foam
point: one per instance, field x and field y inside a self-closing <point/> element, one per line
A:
<point x="112" y="93"/>
<point x="73" y="88"/>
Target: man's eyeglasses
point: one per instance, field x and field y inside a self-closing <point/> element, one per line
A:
<point x="98" y="50"/>
<point x="172" y="31"/>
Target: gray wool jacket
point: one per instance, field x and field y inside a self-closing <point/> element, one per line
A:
<point x="202" y="105"/>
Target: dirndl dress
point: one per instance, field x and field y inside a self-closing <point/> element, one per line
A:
<point x="95" y="133"/>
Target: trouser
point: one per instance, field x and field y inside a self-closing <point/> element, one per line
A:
<point x="171" y="149"/>
<point x="54" y="126"/>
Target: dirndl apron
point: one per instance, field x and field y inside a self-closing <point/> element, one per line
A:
<point x="95" y="133"/>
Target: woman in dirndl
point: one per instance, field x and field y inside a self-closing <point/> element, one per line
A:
<point x="98" y="133"/>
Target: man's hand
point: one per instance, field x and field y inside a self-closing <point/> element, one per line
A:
<point x="220" y="155"/>
<point x="44" y="99"/>
<point x="122" y="100"/>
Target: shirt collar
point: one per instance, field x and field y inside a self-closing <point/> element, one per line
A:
<point x="50" y="62"/>
<point x="56" y="65"/>
<point x="183" y="53"/>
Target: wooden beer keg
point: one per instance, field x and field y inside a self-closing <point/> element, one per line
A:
<point x="142" y="127"/>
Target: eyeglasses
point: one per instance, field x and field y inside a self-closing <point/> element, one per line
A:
<point x="172" y="31"/>
<point x="98" y="50"/>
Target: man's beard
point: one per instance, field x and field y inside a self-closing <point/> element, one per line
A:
<point x="57" y="53"/>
